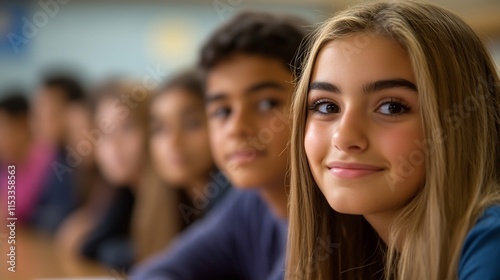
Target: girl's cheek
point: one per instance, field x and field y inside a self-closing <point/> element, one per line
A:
<point x="316" y="142"/>
<point x="134" y="147"/>
<point x="399" y="145"/>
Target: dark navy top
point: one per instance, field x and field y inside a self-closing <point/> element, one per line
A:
<point x="239" y="239"/>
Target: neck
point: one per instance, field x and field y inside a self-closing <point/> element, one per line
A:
<point x="381" y="223"/>
<point x="277" y="199"/>
<point x="196" y="187"/>
<point x="23" y="150"/>
<point x="138" y="180"/>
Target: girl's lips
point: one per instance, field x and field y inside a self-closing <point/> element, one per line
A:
<point x="346" y="170"/>
<point x="178" y="160"/>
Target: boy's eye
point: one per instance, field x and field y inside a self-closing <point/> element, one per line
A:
<point x="393" y="108"/>
<point x="267" y="104"/>
<point x="221" y="112"/>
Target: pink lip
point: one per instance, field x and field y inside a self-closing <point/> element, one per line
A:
<point x="244" y="156"/>
<point x="346" y="170"/>
<point x="178" y="160"/>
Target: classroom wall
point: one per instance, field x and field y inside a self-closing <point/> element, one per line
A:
<point x="96" y="39"/>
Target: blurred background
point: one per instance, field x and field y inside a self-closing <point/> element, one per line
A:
<point x="84" y="193"/>
<point x="98" y="38"/>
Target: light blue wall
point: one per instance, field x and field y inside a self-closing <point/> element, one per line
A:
<point x="99" y="40"/>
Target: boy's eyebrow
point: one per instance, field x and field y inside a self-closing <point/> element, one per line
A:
<point x="369" y="87"/>
<point x="264" y="85"/>
<point x="212" y="97"/>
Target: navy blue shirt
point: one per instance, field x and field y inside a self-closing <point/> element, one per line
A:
<point x="481" y="252"/>
<point x="240" y="239"/>
<point x="59" y="198"/>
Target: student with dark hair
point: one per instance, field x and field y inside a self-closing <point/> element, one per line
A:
<point x="15" y="104"/>
<point x="17" y="149"/>
<point x="248" y="89"/>
<point x="51" y="109"/>
<point x="52" y="98"/>
<point x="67" y="86"/>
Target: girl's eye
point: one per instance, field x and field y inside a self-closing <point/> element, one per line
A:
<point x="129" y="126"/>
<point x="267" y="104"/>
<point x="324" y="107"/>
<point x="393" y="108"/>
<point x="192" y="124"/>
<point x="156" y="126"/>
<point x="155" y="129"/>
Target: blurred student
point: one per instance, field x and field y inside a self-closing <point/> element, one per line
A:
<point x="93" y="194"/>
<point x="17" y="148"/>
<point x="137" y="218"/>
<point x="248" y="90"/>
<point x="59" y="196"/>
<point x="80" y="143"/>
<point x="180" y="147"/>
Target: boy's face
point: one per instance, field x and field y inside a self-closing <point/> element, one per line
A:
<point x="15" y="131"/>
<point x="49" y="115"/>
<point x="248" y="99"/>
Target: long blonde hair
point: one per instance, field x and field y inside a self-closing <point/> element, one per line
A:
<point x="460" y="112"/>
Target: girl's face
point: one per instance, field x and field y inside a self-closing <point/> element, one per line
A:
<point x="364" y="134"/>
<point x="79" y="121"/>
<point x="120" y="154"/>
<point x="180" y="147"/>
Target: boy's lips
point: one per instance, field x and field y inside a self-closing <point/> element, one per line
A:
<point x="244" y="156"/>
<point x="351" y="170"/>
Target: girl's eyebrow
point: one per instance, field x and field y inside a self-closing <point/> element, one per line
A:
<point x="324" y="86"/>
<point x="387" y="84"/>
<point x="367" y="88"/>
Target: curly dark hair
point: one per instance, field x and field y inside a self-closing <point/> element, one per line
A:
<point x="260" y="33"/>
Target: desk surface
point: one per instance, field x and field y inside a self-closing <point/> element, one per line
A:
<point x="36" y="257"/>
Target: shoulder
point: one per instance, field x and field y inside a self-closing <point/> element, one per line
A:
<point x="240" y="199"/>
<point x="481" y="249"/>
<point x="231" y="210"/>
<point x="239" y="205"/>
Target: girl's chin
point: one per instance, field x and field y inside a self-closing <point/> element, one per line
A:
<point x="345" y="205"/>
